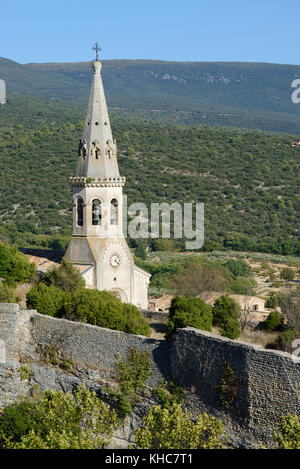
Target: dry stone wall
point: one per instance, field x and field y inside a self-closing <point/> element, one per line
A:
<point x="264" y="384"/>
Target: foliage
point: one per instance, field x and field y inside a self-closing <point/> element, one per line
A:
<point x="273" y="322"/>
<point x="287" y="435"/>
<point x="14" y="265"/>
<point x="25" y="372"/>
<point x="285" y="339"/>
<point x="238" y="268"/>
<point x="196" y="278"/>
<point x="66" y="277"/>
<point x="227" y="169"/>
<point x="287" y="274"/>
<point x="174" y="428"/>
<point x="103" y="309"/>
<point x="6" y="294"/>
<point x="46" y="300"/>
<point x="272" y="300"/>
<point x="227" y="386"/>
<point x="100" y="308"/>
<point x="140" y="250"/>
<point x="243" y="286"/>
<point x="192" y="312"/>
<point x="131" y="374"/>
<point x="169" y="393"/>
<point x="226" y="313"/>
<point x="53" y="356"/>
<point x="58" y="421"/>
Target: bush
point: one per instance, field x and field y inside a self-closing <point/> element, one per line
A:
<point x="226" y="313"/>
<point x="287" y="274"/>
<point x="66" y="277"/>
<point x="14" y="265"/>
<point x="46" y="300"/>
<point x="6" y="294"/>
<point x="287" y="435"/>
<point x="272" y="301"/>
<point x="186" y="311"/>
<point x="238" y="268"/>
<point x="231" y="329"/>
<point x="273" y="322"/>
<point x="103" y="309"/>
<point x="58" y="421"/>
<point x="243" y="286"/>
<point x="285" y="339"/>
<point x="174" y="428"/>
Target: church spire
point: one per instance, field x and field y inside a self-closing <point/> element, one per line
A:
<point x="97" y="149"/>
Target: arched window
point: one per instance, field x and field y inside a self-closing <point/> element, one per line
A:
<point x="79" y="212"/>
<point x="96" y="212"/>
<point x="113" y="212"/>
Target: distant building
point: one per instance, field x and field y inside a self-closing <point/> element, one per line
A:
<point x="2" y="92"/>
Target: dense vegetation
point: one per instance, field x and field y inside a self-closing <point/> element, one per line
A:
<point x="192" y="312"/>
<point x="251" y="95"/>
<point x="248" y="180"/>
<point x="61" y="293"/>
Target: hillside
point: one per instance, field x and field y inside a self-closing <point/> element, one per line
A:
<point x="249" y="95"/>
<point x="248" y="180"/>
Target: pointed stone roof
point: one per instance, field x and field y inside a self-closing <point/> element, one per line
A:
<point x="97" y="149"/>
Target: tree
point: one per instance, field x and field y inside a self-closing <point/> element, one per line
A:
<point x="226" y="312"/>
<point x="273" y="322"/>
<point x="174" y="428"/>
<point x="192" y="312"/>
<point x="66" y="277"/>
<point x="103" y="309"/>
<point x="287" y="435"/>
<point x="238" y="268"/>
<point x="289" y="302"/>
<point x="196" y="279"/>
<point x="46" y="300"/>
<point x="14" y="265"/>
<point x="287" y="274"/>
<point x="58" y="421"/>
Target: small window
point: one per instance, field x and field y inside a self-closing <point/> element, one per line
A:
<point x="255" y="308"/>
<point x="96" y="212"/>
<point x="79" y="212"/>
<point x="114" y="212"/>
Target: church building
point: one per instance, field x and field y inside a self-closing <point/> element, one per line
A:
<point x="98" y="246"/>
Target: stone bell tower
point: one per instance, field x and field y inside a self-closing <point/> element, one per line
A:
<point x="98" y="246"/>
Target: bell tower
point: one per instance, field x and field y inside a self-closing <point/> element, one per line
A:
<point x="98" y="246"/>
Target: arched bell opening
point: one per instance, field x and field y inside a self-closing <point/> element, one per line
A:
<point x="79" y="210"/>
<point x="114" y="212"/>
<point x="96" y="212"/>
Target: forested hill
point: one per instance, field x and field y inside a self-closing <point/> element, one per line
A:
<point x="248" y="180"/>
<point x="249" y="95"/>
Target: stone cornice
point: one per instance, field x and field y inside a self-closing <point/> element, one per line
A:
<point x="97" y="182"/>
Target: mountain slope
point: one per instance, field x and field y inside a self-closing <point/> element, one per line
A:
<point x="248" y="180"/>
<point x="251" y="95"/>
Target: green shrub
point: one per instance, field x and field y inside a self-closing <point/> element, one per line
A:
<point x="287" y="435"/>
<point x="287" y="274"/>
<point x="58" y="421"/>
<point x="6" y="294"/>
<point x="174" y="428"/>
<point x="272" y="301"/>
<point x="231" y="329"/>
<point x="273" y="322"/>
<point x="238" y="268"/>
<point x="186" y="311"/>
<point x="225" y="308"/>
<point x="14" y="265"/>
<point x="103" y="309"/>
<point x="243" y="286"/>
<point x="226" y="313"/>
<point x="285" y="339"/>
<point x="46" y="300"/>
<point x="66" y="277"/>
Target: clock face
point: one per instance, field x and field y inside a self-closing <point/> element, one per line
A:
<point x="115" y="260"/>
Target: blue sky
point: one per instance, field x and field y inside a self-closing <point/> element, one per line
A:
<point x="186" y="30"/>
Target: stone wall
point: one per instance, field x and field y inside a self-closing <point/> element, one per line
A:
<point x="266" y="382"/>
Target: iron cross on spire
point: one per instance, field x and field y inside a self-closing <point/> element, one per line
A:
<point x="97" y="49"/>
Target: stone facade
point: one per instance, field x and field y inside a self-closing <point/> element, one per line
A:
<point x="267" y="382"/>
<point x="98" y="246"/>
